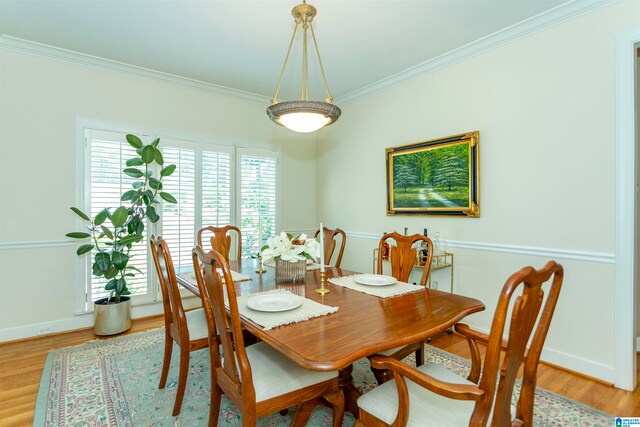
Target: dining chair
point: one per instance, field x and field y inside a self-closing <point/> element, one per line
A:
<point x="187" y="329"/>
<point x="221" y="239"/>
<point x="330" y="237"/>
<point x="257" y="378"/>
<point x="402" y="256"/>
<point x="434" y="396"/>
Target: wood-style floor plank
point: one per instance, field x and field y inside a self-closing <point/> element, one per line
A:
<point x="21" y="365"/>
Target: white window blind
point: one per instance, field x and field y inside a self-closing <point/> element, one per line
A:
<point x="108" y="153"/>
<point x="179" y="220"/>
<point x="216" y="192"/>
<point x="203" y="187"/>
<point x="258" y="197"/>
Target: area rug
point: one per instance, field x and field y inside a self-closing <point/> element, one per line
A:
<point x="114" y="382"/>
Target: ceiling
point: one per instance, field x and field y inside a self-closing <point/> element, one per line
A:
<point x="242" y="44"/>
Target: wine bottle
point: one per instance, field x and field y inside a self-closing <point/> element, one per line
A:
<point x="385" y="248"/>
<point x="424" y="251"/>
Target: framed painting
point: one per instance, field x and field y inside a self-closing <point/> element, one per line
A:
<point x="437" y="177"/>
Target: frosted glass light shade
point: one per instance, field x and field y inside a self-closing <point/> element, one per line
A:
<point x="303" y="116"/>
<point x="303" y="122"/>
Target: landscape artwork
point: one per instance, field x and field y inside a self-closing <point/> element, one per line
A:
<point x="435" y="177"/>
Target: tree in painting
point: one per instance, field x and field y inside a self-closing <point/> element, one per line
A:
<point x="405" y="177"/>
<point x="435" y="177"/>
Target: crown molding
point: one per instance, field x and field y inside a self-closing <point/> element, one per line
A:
<point x="561" y="13"/>
<point x="73" y="57"/>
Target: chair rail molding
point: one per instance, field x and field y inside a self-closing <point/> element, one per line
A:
<point x="602" y="257"/>
<point x="36" y="244"/>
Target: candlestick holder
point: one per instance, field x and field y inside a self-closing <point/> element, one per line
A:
<point x="261" y="270"/>
<point x="322" y="290"/>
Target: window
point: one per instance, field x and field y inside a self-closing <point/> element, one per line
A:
<point x="204" y="184"/>
<point x="108" y="152"/>
<point x="258" y="197"/>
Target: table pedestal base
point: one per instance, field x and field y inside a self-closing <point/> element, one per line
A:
<point x="351" y="393"/>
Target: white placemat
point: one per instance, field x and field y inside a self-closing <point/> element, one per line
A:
<point x="269" y="320"/>
<point x="235" y="276"/>
<point x="310" y="266"/>
<point x="397" y="288"/>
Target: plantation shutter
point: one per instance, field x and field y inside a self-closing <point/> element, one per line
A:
<point x="179" y="220"/>
<point x="108" y="153"/>
<point x="258" y="177"/>
<point x="216" y="191"/>
<point x="202" y="185"/>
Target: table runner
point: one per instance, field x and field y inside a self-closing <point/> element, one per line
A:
<point x="308" y="310"/>
<point x="235" y="276"/>
<point x="397" y="288"/>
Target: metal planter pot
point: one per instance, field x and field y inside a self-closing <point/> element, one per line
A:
<point x="112" y="318"/>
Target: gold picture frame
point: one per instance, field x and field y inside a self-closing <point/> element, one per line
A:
<point x="436" y="177"/>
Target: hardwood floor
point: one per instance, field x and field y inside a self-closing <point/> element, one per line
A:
<point x="21" y="366"/>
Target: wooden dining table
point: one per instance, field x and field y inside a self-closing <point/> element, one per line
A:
<point x="363" y="325"/>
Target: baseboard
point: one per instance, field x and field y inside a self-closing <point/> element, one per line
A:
<point x="572" y="363"/>
<point x="637" y="343"/>
<point x="80" y="321"/>
<point x="578" y="364"/>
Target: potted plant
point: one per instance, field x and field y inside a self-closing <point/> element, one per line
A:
<point x="290" y="255"/>
<point x="114" y="231"/>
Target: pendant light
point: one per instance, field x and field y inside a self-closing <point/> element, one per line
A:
<point x="303" y="115"/>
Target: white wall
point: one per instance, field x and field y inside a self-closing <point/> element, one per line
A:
<point x="40" y="103"/>
<point x="544" y="106"/>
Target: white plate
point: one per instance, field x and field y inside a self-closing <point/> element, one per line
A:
<point x="374" y="279"/>
<point x="274" y="302"/>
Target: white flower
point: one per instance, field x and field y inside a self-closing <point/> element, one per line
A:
<point x="282" y="247"/>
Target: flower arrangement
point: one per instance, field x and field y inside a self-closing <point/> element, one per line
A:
<point x="286" y="248"/>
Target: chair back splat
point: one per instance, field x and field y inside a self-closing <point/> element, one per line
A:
<point x="402" y="255"/>
<point x="220" y="239"/>
<point x="330" y="237"/>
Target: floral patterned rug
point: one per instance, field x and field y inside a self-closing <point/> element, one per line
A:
<point x="115" y="383"/>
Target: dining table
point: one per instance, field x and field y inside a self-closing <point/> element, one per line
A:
<point x="362" y="325"/>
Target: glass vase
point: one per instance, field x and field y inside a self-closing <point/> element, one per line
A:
<point x="290" y="271"/>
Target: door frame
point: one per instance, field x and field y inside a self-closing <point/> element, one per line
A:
<point x="626" y="211"/>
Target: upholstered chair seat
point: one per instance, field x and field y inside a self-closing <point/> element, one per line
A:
<point x="197" y="324"/>
<point x="426" y="409"/>
<point x="274" y="374"/>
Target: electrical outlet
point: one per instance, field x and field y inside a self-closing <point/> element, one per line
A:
<point x="44" y="329"/>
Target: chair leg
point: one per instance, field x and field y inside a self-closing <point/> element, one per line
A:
<point x="420" y="354"/>
<point x="336" y="399"/>
<point x="166" y="362"/>
<point x="303" y="412"/>
<point x="182" y="379"/>
<point x="214" y="405"/>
